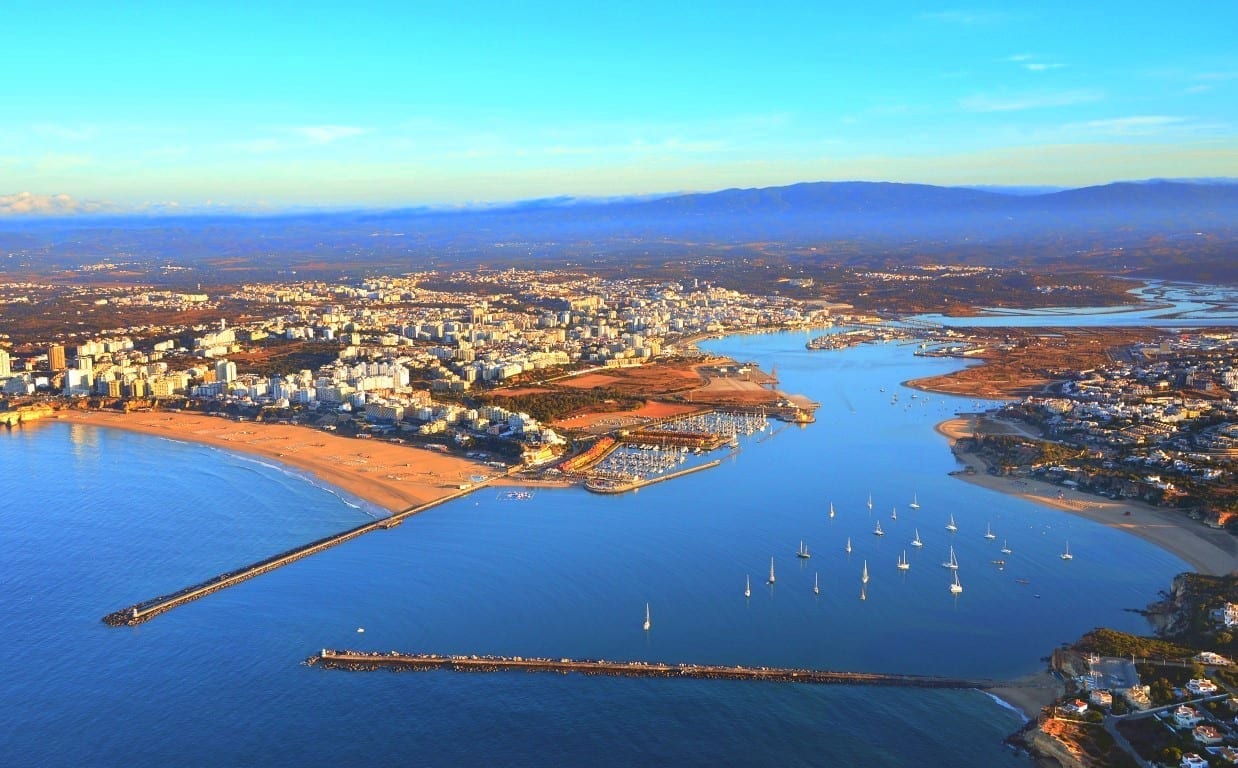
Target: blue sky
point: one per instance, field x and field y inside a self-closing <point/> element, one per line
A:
<point x="367" y="103"/>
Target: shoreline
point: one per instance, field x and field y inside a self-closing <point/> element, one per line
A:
<point x="389" y="476"/>
<point x="1207" y="550"/>
<point x="1029" y="694"/>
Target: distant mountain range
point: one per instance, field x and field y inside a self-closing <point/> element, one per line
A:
<point x="1107" y="226"/>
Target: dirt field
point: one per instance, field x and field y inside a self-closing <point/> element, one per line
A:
<point x="604" y="422"/>
<point x="1022" y="361"/>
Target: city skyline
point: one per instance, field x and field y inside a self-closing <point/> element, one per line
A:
<point x="141" y="107"/>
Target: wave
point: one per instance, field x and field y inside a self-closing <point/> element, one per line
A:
<point x="370" y="510"/>
<point x="1007" y="705"/>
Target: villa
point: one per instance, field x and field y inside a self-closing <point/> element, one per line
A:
<point x="1201" y="687"/>
<point x="1187" y="717"/>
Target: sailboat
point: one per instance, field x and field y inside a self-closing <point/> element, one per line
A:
<point x="903" y="565"/>
<point x="988" y="532"/>
<point x="956" y="587"/>
<point x="831" y="510"/>
<point x="914" y="504"/>
<point x="894" y="513"/>
<point x="950" y="526"/>
<point x="803" y="551"/>
<point x="647" y="624"/>
<point x="877" y="531"/>
<point x="848" y="545"/>
<point x="1066" y="555"/>
<point x="870" y="501"/>
<point x="916" y="541"/>
<point x="864" y="573"/>
<point x="952" y="563"/>
<point x="1005" y="549"/>
<point x="771" y="570"/>
<point x="816" y="583"/>
<point x="747" y="586"/>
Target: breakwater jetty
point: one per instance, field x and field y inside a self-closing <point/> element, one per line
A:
<point x="364" y="661"/>
<point x="148" y="609"/>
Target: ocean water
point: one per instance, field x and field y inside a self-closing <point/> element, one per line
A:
<point x="98" y="519"/>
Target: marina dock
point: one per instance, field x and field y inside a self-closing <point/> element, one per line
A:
<point x="149" y="609"/>
<point x="363" y="661"/>
<point x="602" y="484"/>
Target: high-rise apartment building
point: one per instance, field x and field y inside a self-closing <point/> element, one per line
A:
<point x="55" y="357"/>
<point x="5" y="366"/>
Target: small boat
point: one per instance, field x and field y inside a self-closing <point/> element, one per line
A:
<point x="870" y="501"/>
<point x="831" y="510"/>
<point x="952" y="563"/>
<point x="803" y="551"/>
<point x="771" y="571"/>
<point x="894" y="513"/>
<point x="647" y="624"/>
<point x="1005" y="549"/>
<point x="903" y="565"/>
<point x="988" y="532"/>
<point x="848" y="545"/>
<point x="816" y="583"/>
<point x="864" y="573"/>
<point x="999" y="563"/>
<point x="1066" y="555"/>
<point x="877" y="531"/>
<point x="914" y="504"/>
<point x="1022" y="581"/>
<point x="916" y="541"/>
<point x="950" y="526"/>
<point x="747" y="586"/>
<point x="956" y="587"/>
<point x="360" y="629"/>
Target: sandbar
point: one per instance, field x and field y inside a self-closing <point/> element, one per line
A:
<point x="388" y="475"/>
<point x="1208" y="550"/>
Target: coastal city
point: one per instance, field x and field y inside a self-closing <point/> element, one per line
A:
<point x="560" y="384"/>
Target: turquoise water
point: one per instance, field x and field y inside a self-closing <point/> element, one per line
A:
<point x="98" y="519"/>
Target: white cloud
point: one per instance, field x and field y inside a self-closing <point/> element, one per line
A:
<point x="325" y="134"/>
<point x="1018" y="102"/>
<point x="1199" y="89"/>
<point x="1036" y="66"/>
<point x="27" y="203"/>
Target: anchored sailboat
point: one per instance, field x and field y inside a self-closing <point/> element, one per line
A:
<point x="747" y="586"/>
<point x="956" y="587"/>
<point x="914" y="504"/>
<point x="988" y="532"/>
<point x="1005" y="548"/>
<point x="950" y="526"/>
<point x="848" y="545"/>
<point x="816" y="583"/>
<point x="870" y="502"/>
<point x="831" y="510"/>
<point x="647" y="624"/>
<point x="952" y="563"/>
<point x="771" y="570"/>
<point x="916" y="541"/>
<point x="803" y="551"/>
<point x="864" y="573"/>
<point x="894" y="513"/>
<point x="877" y="531"/>
<point x="903" y="565"/>
<point x="1066" y="555"/>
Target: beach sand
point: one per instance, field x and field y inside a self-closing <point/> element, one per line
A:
<point x="388" y="475"/>
<point x="1207" y="550"/>
<point x="1031" y="693"/>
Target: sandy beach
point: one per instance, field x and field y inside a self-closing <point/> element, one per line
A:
<point x="388" y="475"/>
<point x="1031" y="693"/>
<point x="1207" y="550"/>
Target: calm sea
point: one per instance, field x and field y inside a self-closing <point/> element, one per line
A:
<point x="99" y="519"/>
